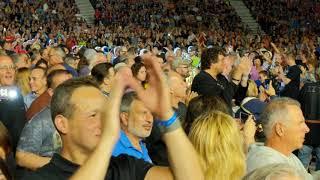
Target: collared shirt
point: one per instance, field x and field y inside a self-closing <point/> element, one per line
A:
<point x="29" y="98"/>
<point x="38" y="104"/>
<point x="124" y="146"/>
<point x="39" y="136"/>
<point x="260" y="155"/>
<point x="123" y="167"/>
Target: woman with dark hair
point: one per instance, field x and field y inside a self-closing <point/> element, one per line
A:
<point x="256" y="68"/>
<point x="200" y="105"/>
<point x="103" y="74"/>
<point x="139" y="71"/>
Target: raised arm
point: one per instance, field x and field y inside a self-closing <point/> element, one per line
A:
<point x="184" y="163"/>
<point x="183" y="159"/>
<point x="96" y="166"/>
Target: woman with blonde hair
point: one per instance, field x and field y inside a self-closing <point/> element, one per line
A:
<point x="218" y="141"/>
<point x="23" y="79"/>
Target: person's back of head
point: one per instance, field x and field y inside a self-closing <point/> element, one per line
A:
<point x="101" y="71"/>
<point x="42" y="63"/>
<point x="15" y="57"/>
<point x="132" y="51"/>
<point x="55" y="77"/>
<point x="23" y="80"/>
<point x="202" y="104"/>
<point x="91" y="56"/>
<point x="218" y="141"/>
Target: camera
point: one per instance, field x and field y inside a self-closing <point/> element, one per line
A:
<point x="8" y="93"/>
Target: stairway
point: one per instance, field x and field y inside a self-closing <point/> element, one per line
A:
<point x="246" y="17"/>
<point x="86" y="10"/>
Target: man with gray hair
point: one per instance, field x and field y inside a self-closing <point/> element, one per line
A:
<point x="21" y="60"/>
<point x="56" y="56"/>
<point x="136" y="123"/>
<point x="285" y="128"/>
<point x="93" y="58"/>
<point x="181" y="66"/>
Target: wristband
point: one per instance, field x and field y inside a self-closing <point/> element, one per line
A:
<point x="168" y="122"/>
<point x="174" y="126"/>
<point x="170" y="125"/>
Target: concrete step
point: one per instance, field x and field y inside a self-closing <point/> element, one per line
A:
<point x="86" y="10"/>
<point x="245" y="15"/>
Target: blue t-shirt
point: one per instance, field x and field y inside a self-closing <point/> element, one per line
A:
<point x="124" y="146"/>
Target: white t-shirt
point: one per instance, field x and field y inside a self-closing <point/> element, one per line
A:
<point x="259" y="156"/>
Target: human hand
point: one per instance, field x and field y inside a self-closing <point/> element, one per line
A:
<point x="249" y="130"/>
<point x="190" y="95"/>
<point x="111" y="122"/>
<point x="271" y="91"/>
<point x="245" y="65"/>
<point x="156" y="97"/>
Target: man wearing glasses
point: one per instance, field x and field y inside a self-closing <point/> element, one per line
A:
<point x="12" y="111"/>
<point x="7" y="71"/>
<point x="182" y="67"/>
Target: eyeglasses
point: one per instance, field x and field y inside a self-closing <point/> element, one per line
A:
<point x="184" y="67"/>
<point x="50" y="55"/>
<point x="7" y="67"/>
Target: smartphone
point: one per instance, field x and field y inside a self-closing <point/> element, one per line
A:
<point x="267" y="82"/>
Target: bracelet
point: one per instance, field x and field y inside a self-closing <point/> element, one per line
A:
<point x="174" y="126"/>
<point x="170" y="125"/>
<point x="168" y="122"/>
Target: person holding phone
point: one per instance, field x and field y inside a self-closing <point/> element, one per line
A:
<point x="290" y="79"/>
<point x="251" y="105"/>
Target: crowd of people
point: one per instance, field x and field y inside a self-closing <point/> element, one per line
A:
<point x="155" y="91"/>
<point x="281" y="17"/>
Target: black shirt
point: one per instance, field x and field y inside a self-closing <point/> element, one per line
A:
<point x="13" y="116"/>
<point x="292" y="88"/>
<point x="310" y="105"/>
<point x="123" y="167"/>
<point x="157" y="149"/>
<point x="205" y="84"/>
